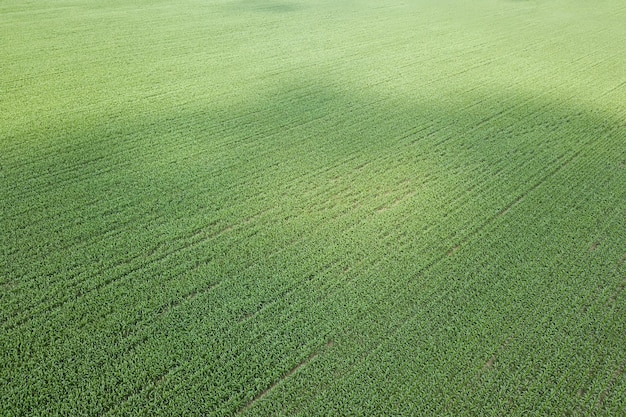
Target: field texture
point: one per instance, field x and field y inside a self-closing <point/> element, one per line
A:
<point x="312" y="207"/>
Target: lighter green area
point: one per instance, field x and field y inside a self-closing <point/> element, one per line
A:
<point x="312" y="207"/>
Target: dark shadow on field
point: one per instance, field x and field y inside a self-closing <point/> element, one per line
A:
<point x="258" y="148"/>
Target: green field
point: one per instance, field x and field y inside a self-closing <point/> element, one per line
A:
<point x="312" y="207"/>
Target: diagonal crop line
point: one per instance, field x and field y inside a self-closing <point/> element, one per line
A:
<point x="149" y="386"/>
<point x="395" y="329"/>
<point x="329" y="344"/>
<point x="516" y="201"/>
<point x="608" y="390"/>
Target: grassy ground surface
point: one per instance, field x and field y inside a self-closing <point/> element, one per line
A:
<point x="312" y="207"/>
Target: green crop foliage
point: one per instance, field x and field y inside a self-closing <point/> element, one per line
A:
<point x="312" y="207"/>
